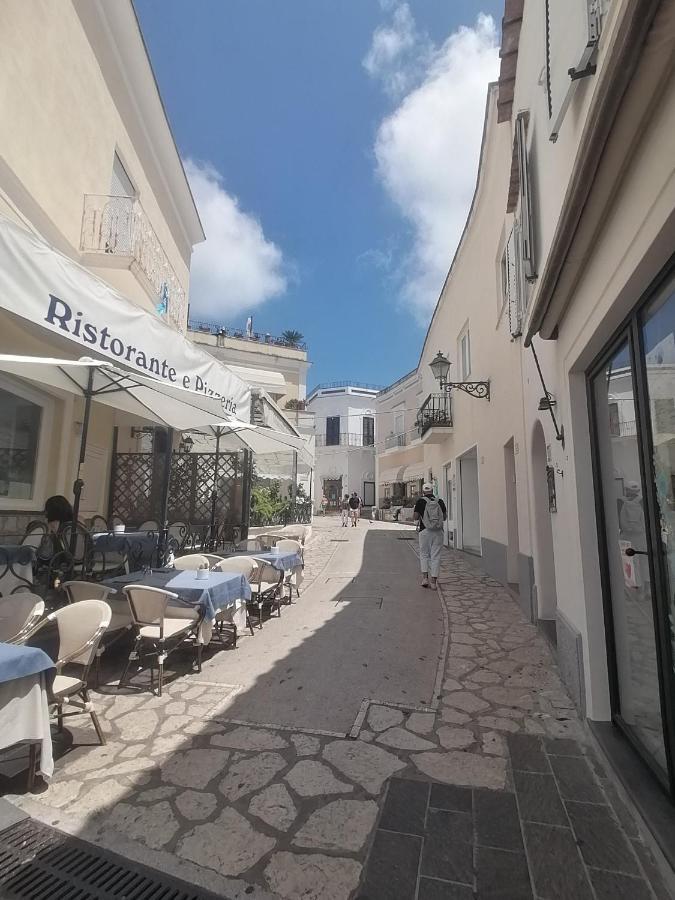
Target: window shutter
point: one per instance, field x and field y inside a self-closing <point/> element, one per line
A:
<point x="527" y="225"/>
<point x="513" y="285"/>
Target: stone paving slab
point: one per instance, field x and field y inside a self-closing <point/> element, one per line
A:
<point x="420" y="801"/>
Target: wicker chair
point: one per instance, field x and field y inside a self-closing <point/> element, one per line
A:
<point x="247" y="567"/>
<point x="19" y="615"/>
<point x="70" y="637"/>
<point x="155" y="630"/>
<point x="192" y="562"/>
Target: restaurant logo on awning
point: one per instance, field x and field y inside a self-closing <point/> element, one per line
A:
<point x="76" y="326"/>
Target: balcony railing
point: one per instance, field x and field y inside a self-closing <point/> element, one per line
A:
<point x="119" y="226"/>
<point x="241" y="334"/>
<point x="435" y="411"/>
<point x="395" y="440"/>
<point x="344" y="439"/>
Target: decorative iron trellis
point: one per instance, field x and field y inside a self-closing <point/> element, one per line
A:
<point x="137" y="482"/>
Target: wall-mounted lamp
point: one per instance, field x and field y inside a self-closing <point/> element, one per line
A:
<point x="547" y="402"/>
<point x="186" y="444"/>
<point x="440" y="366"/>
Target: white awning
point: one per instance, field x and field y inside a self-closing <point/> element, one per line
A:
<point x="265" y="379"/>
<point x="146" y="398"/>
<point x="39" y="284"/>
<point x="414" y="472"/>
<point x="392" y="476"/>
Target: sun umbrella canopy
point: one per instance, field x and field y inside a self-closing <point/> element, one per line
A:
<point x="148" y="398"/>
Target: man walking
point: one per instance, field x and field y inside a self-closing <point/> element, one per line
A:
<point x="345" y="511"/>
<point x="354" y="508"/>
<point x="430" y="514"/>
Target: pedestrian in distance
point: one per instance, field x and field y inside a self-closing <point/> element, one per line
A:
<point x="354" y="508"/>
<point x="345" y="511"/>
<point x="324" y="504"/>
<point x="430" y="514"/>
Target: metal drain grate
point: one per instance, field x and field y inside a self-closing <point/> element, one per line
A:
<point x="39" y="863"/>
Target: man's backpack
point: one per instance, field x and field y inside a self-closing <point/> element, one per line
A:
<point x="433" y="515"/>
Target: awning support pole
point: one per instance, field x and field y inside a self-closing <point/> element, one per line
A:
<point x="246" y="493"/>
<point x="164" y="505"/>
<point x="214" y="493"/>
<point x="79" y="484"/>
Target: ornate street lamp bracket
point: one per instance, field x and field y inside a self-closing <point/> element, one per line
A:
<point x="479" y="389"/>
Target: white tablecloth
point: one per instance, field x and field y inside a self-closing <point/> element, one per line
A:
<point x="24" y="716"/>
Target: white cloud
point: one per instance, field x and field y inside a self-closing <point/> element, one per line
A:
<point x="398" y="53"/>
<point x="427" y="154"/>
<point x="237" y="268"/>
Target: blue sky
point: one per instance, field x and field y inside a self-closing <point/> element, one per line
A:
<point x="332" y="149"/>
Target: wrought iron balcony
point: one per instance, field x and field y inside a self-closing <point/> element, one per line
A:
<point x="395" y="440"/>
<point x="435" y="412"/>
<point x="120" y="227"/>
<point x="344" y="439"/>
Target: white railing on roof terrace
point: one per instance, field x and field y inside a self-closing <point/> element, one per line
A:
<point x="120" y="226"/>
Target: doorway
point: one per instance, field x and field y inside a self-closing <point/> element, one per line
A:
<point x="332" y="491"/>
<point x="632" y="398"/>
<point x="469" y="501"/>
<point x="513" y="539"/>
<point x="546" y="602"/>
<point x="369" y="493"/>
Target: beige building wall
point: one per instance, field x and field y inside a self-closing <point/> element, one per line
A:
<point x="76" y="87"/>
<point x="61" y="127"/>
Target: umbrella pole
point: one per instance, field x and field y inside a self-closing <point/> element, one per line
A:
<point x="164" y="510"/>
<point x="214" y="493"/>
<point x="294" y="487"/>
<point x="79" y="484"/>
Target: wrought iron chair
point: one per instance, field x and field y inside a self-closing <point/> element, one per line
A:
<point x="192" y="561"/>
<point x="70" y="637"/>
<point x="248" y="568"/>
<point x="19" y="615"/>
<point x="149" y="525"/>
<point x="267" y="589"/>
<point x="34" y="533"/>
<point x="155" y="630"/>
<point x="98" y="525"/>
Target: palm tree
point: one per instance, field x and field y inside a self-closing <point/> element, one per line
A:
<point x="292" y="337"/>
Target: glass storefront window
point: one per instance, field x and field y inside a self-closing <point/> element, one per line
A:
<point x="20" y="421"/>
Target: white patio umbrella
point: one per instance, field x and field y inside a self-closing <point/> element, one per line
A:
<point x="148" y="398"/>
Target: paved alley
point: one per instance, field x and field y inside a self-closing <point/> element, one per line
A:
<point x="378" y="741"/>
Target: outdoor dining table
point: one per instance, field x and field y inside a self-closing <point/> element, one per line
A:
<point x="24" y="705"/>
<point x="218" y="592"/>
<point x="16" y="567"/>
<point x="139" y="547"/>
<point x="281" y="560"/>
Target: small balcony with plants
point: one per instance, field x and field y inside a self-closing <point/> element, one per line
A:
<point x="434" y="419"/>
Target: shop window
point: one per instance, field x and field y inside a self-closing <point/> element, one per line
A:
<point x="20" y="424"/>
<point x="368" y="431"/>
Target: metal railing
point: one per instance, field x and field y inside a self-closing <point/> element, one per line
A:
<point x="120" y="226"/>
<point x="344" y="439"/>
<point x="395" y="440"/>
<point x="435" y="411"/>
<point x="329" y="385"/>
<point x="241" y="334"/>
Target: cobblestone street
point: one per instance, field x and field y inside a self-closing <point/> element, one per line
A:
<point x="482" y="786"/>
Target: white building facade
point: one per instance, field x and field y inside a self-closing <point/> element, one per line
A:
<point x="345" y="435"/>
<point x="560" y="306"/>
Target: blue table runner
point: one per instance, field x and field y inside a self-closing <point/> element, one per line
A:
<point x="17" y="661"/>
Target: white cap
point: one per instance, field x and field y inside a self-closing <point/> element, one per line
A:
<point x="427" y="488"/>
